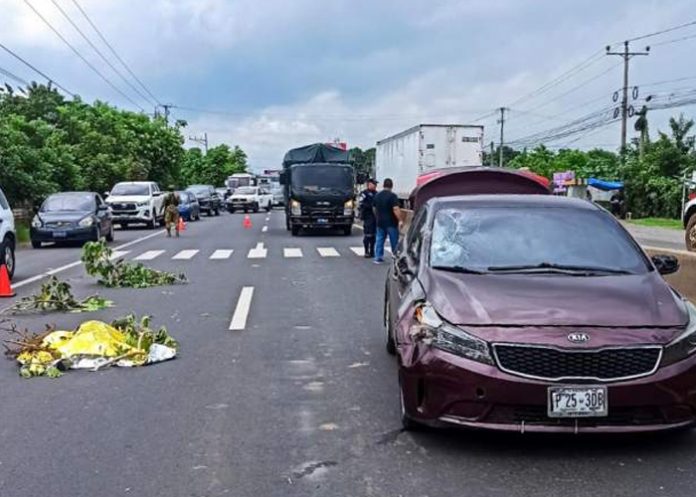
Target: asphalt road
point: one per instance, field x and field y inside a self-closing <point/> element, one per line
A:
<point x="657" y="237"/>
<point x="300" y="400"/>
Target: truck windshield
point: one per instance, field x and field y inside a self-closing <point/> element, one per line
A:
<point x="246" y="190"/>
<point x="322" y="178"/>
<point x="130" y="189"/>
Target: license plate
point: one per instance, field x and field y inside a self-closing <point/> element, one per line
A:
<point x="322" y="221"/>
<point x="60" y="234"/>
<point x="577" y="402"/>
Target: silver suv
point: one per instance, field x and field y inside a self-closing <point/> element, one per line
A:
<point x="8" y="237"/>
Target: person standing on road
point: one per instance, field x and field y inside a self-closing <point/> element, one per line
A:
<point x="367" y="215"/>
<point x="171" y="213"/>
<point x="388" y="214"/>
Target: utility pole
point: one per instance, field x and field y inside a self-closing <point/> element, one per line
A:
<point x="626" y="56"/>
<point x="166" y="108"/>
<point x="501" y="121"/>
<point x="491" y="159"/>
<point x="202" y="140"/>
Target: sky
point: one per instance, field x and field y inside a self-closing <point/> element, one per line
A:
<point x="269" y="76"/>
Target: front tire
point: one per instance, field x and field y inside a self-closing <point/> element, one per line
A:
<point x="7" y="256"/>
<point x="407" y="423"/>
<point x="36" y="245"/>
<point x="295" y="230"/>
<point x="348" y="230"/>
<point x="256" y="207"/>
<point x="690" y="234"/>
<point x="153" y="222"/>
<point x="391" y="344"/>
<point x="110" y="234"/>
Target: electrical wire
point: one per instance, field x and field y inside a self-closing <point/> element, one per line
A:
<point x="36" y="70"/>
<point x="663" y="31"/>
<point x="14" y="77"/>
<point x="675" y="40"/>
<point x="82" y="57"/>
<point x="115" y="53"/>
<point x="99" y="52"/>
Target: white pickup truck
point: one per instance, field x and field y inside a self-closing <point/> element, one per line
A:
<point x="250" y="198"/>
<point x="8" y="237"/>
<point x="136" y="202"/>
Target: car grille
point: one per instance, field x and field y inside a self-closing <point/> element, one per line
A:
<point x="123" y="207"/>
<point x="548" y="363"/>
<point x="618" y="416"/>
<point x="59" y="224"/>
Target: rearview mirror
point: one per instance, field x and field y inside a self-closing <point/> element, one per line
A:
<point x="665" y="264"/>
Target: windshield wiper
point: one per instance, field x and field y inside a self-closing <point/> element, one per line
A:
<point x="562" y="268"/>
<point x="459" y="269"/>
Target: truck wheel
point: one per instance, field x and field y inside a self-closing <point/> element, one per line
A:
<point x="256" y="207"/>
<point x="269" y="207"/>
<point x="36" y="245"/>
<point x="348" y="230"/>
<point x="217" y="211"/>
<point x="295" y="230"/>
<point x="287" y="223"/>
<point x="153" y="222"/>
<point x="690" y="234"/>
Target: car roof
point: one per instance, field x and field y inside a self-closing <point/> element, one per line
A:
<point x="510" y="200"/>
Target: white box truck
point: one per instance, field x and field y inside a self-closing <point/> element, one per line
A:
<point x="426" y="147"/>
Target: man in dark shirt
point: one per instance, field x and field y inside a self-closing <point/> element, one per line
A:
<point x="367" y="214"/>
<point x="388" y="217"/>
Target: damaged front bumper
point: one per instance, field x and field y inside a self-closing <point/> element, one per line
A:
<point x="440" y="388"/>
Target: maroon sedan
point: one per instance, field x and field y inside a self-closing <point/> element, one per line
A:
<point x="536" y="313"/>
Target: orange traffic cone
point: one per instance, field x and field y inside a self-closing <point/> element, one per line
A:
<point x="5" y="286"/>
<point x="247" y="222"/>
<point x="180" y="225"/>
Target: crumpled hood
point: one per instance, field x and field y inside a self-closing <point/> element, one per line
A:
<point x="554" y="300"/>
<point x="127" y="199"/>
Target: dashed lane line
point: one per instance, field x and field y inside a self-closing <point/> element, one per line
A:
<point x="328" y="252"/>
<point x="222" y="254"/>
<point x="149" y="255"/>
<point x="264" y="229"/>
<point x="259" y="252"/>
<point x="241" y="311"/>
<point x="292" y="253"/>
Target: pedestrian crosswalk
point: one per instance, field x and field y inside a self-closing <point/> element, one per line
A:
<point x="260" y="251"/>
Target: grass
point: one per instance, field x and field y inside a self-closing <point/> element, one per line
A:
<point x="22" y="232"/>
<point x="659" y="222"/>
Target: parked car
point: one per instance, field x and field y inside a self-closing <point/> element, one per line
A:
<point x="189" y="207"/>
<point x="224" y="194"/>
<point x="72" y="217"/>
<point x="536" y="313"/>
<point x="137" y="202"/>
<point x="278" y="194"/>
<point x="250" y="198"/>
<point x="208" y="198"/>
<point x="8" y="236"/>
<point x="689" y="221"/>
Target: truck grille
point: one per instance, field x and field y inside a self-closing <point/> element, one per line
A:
<point x="553" y="364"/>
<point x="123" y="207"/>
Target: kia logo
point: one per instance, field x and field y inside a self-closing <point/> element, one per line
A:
<point x="579" y="337"/>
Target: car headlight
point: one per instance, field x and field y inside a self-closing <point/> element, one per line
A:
<point x="36" y="222"/>
<point x="431" y="329"/>
<point x="143" y="204"/>
<point x="86" y="222"/>
<point x="685" y="344"/>
<point x="295" y="208"/>
<point x="348" y="208"/>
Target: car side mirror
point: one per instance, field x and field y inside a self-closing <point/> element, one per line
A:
<point x="106" y="194"/>
<point x="665" y="264"/>
<point x="156" y="194"/>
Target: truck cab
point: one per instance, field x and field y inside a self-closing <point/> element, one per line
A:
<point x="319" y="186"/>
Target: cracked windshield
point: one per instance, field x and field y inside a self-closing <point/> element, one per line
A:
<point x="347" y="248"/>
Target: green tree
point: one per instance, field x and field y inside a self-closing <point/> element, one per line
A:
<point x="363" y="160"/>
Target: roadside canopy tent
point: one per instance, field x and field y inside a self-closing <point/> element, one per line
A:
<point x="604" y="185"/>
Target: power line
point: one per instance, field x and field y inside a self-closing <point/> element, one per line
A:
<point x="675" y="40"/>
<point x="39" y="72"/>
<point x="82" y="57"/>
<point x="14" y="77"/>
<point x="663" y="31"/>
<point x="98" y="52"/>
<point x="115" y="54"/>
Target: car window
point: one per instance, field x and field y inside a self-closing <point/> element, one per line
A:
<point x="414" y="237"/>
<point x="485" y="237"/>
<point x="3" y="201"/>
<point x="98" y="200"/>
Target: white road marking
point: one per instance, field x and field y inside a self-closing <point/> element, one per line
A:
<point x="264" y="229"/>
<point x="241" y="312"/>
<point x="290" y="253"/>
<point x="268" y="218"/>
<point x="359" y="251"/>
<point x="328" y="252"/>
<point x="60" y="269"/>
<point x="149" y="255"/>
<point x="259" y="252"/>
<point x="185" y="255"/>
<point x="117" y="254"/>
<point x="221" y="254"/>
